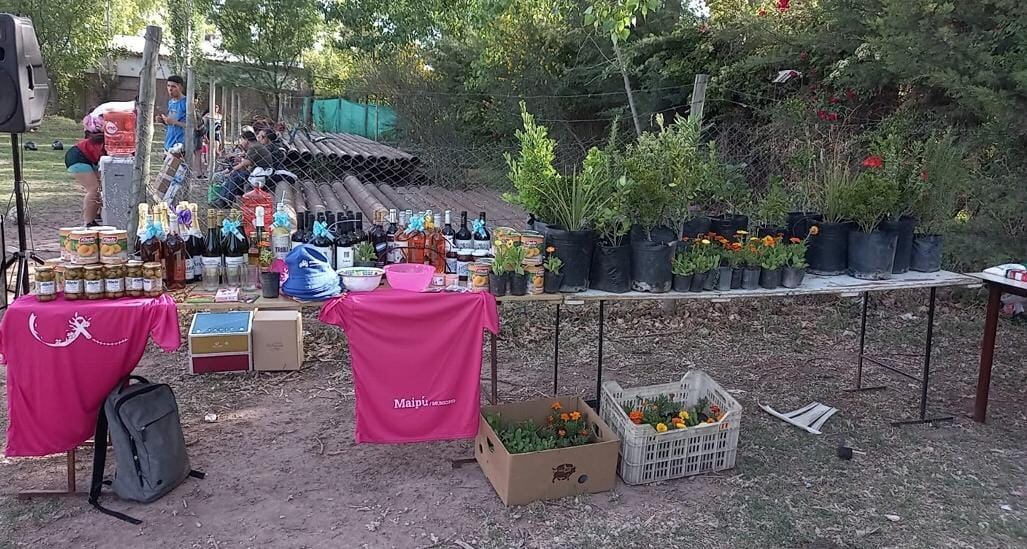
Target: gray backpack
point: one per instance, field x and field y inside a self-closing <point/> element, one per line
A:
<point x="149" y="448"/>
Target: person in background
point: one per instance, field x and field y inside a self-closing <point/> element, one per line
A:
<point x="270" y="139"/>
<point x="174" y="120"/>
<point x="82" y="161"/>
<point x="216" y="119"/>
<point x="255" y="155"/>
<point x="199" y="166"/>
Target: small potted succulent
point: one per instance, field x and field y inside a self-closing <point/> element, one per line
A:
<point x="554" y="271"/>
<point x="773" y="258"/>
<point x="515" y="266"/>
<point x="795" y="266"/>
<point x="499" y="275"/>
<point x="683" y="270"/>
<point x="364" y="255"/>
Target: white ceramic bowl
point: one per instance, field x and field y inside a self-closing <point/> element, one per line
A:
<point x="361" y="279"/>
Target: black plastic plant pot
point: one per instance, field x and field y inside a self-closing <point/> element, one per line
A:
<point x="651" y="266"/>
<point x="872" y="255"/>
<point x="903" y="228"/>
<point x="698" y="281"/>
<point x="792" y="277"/>
<point x="926" y="256"/>
<point x="750" y="278"/>
<point x="519" y="284"/>
<point x="799" y="223"/>
<point x="770" y="278"/>
<point x="828" y="250"/>
<point x="682" y="283"/>
<point x="551" y="282"/>
<point x="736" y="278"/>
<point x="728" y="224"/>
<point x="498" y="283"/>
<point x="712" y="277"/>
<point x="611" y="269"/>
<point x="724" y="275"/>
<point x="575" y="249"/>
<point x="770" y="231"/>
<point x="696" y="226"/>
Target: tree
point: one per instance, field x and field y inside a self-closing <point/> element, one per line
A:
<point x="270" y="37"/>
<point x="71" y="36"/>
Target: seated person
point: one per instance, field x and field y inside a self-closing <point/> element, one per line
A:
<point x="233" y="181"/>
<point x="278" y="148"/>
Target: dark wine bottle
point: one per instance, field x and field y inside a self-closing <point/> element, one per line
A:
<point x="463" y="238"/>
<point x="379" y="239"/>
<point x="322" y="241"/>
<point x="482" y="238"/>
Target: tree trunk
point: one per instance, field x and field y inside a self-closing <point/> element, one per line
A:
<point x="627" y="87"/>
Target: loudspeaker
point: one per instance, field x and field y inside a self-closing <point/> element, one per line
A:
<point x="24" y="85"/>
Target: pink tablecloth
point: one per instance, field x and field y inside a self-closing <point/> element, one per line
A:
<point x="64" y="357"/>
<point x="416" y="361"/>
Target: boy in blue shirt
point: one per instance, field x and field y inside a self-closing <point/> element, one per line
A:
<point x="174" y="121"/>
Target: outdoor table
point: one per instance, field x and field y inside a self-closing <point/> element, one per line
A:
<point x="997" y="286"/>
<point x="64" y="357"/>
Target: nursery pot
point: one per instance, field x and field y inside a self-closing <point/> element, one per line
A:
<point x="726" y="225"/>
<point x="724" y="275"/>
<point x="651" y="266"/>
<point x="269" y="284"/>
<point x="926" y="256"/>
<point x="827" y="254"/>
<point x="798" y="223"/>
<point x="872" y="255"/>
<point x="903" y="228"/>
<point x="736" y="278"/>
<point x="712" y="276"/>
<point x="611" y="269"/>
<point x="698" y="281"/>
<point x="792" y="277"/>
<point x="518" y="284"/>
<point x="553" y="282"/>
<point x="682" y="283"/>
<point x="769" y="231"/>
<point x="750" y="278"/>
<point x="770" y="278"/>
<point x="696" y="226"/>
<point x="575" y="249"/>
<point x="498" y="283"/>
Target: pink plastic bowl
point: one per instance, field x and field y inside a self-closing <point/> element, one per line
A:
<point x="409" y="276"/>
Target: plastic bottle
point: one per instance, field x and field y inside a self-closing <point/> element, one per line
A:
<point x="257" y="197"/>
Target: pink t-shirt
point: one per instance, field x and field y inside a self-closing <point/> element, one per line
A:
<point x="416" y="361"/>
<point x="64" y="357"/>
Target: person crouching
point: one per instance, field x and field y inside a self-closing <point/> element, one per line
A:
<point x="83" y="161"/>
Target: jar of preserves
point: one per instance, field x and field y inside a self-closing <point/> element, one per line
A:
<point x="114" y="281"/>
<point x="85" y="245"/>
<point x="480" y="276"/>
<point x="134" y="278"/>
<point x="46" y="283"/>
<point x="92" y="276"/>
<point x="113" y="246"/>
<point x="153" y="279"/>
<point x="73" y="289"/>
<point x="464" y="258"/>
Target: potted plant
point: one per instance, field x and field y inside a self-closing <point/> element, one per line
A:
<point x="705" y="259"/>
<point x="871" y="250"/>
<point x="750" y="260"/>
<point x="532" y="170"/>
<point x="683" y="271"/>
<point x="499" y="274"/>
<point x="828" y="249"/>
<point x="795" y="266"/>
<point x="611" y="259"/>
<point x="727" y="264"/>
<point x="364" y="255"/>
<point x="772" y="210"/>
<point x="554" y="275"/>
<point x="942" y="175"/>
<point x="515" y="266"/>
<point x="773" y="258"/>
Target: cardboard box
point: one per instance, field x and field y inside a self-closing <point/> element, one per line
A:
<point x="277" y="340"/>
<point x="164" y="179"/>
<point x="221" y="342"/>
<point x="520" y="479"/>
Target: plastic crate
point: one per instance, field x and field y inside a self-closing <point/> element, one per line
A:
<point x="647" y="456"/>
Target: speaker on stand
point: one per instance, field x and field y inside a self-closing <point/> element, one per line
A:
<point x="24" y="89"/>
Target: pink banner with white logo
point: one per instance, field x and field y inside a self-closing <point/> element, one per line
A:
<point x="64" y="357"/>
<point x="416" y="361"/>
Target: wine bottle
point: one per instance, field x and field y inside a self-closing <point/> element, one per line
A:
<point x="401" y="244"/>
<point x="235" y="247"/>
<point x="391" y="255"/>
<point x="322" y="240"/>
<point x="333" y="230"/>
<point x="211" y="256"/>
<point x="300" y="236"/>
<point x="357" y="225"/>
<point x="482" y="238"/>
<point x="195" y="242"/>
<point x="379" y="239"/>
<point x="152" y="249"/>
<point x="463" y="238"/>
<point x="344" y="243"/>
<point x="259" y="245"/>
<point x="177" y="258"/>
<point x="448" y="234"/>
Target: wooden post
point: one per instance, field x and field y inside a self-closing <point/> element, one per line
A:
<point x="144" y="126"/>
<point x="190" y="125"/>
<point x="212" y="150"/>
<point x="698" y="96"/>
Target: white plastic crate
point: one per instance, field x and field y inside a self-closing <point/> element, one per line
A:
<point x="647" y="456"/>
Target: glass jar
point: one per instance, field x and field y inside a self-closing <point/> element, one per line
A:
<point x="464" y="258"/>
<point x="153" y="279"/>
<point x="134" y="278"/>
<point x="114" y="281"/>
<point x="73" y="289"/>
<point x="46" y="283"/>
<point x="93" y="281"/>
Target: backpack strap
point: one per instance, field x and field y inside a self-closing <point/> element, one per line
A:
<point x="99" y="462"/>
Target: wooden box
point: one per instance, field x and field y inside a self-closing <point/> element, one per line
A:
<point x="221" y="342"/>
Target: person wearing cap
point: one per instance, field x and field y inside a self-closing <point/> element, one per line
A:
<point x="82" y="161"/>
<point x="174" y="121"/>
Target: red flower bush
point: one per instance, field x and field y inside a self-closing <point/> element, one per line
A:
<point x="873" y="161"/>
<point x="783" y="5"/>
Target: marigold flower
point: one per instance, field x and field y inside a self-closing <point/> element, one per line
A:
<point x="873" y="161"/>
<point x="557" y="406"/>
<point x="550" y="249"/>
<point x="575" y="416"/>
<point x="706" y="242"/>
<point x="681" y="425"/>
<point x="661" y="427"/>
<point x="794" y="240"/>
<point x="562" y="433"/>
<point x="683" y="414"/>
<point x="769" y="241"/>
<point x="636" y="417"/>
<point x="814" y="230"/>
<point x="676" y="420"/>
<point x="565" y="416"/>
<point x="736" y="246"/>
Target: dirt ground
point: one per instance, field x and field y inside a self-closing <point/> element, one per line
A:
<point x="283" y="470"/>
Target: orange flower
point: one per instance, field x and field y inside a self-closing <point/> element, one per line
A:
<point x="814" y="230"/>
<point x="736" y="246"/>
<point x="769" y="241"/>
<point x="562" y="433"/>
<point x="565" y="416"/>
<point x="575" y="416"/>
<point x="794" y="240"/>
<point x="550" y="249"/>
<point x="676" y="420"/>
<point x="636" y="417"/>
<point x="556" y="406"/>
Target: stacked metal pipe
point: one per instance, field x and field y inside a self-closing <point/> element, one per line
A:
<point x="330" y="156"/>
